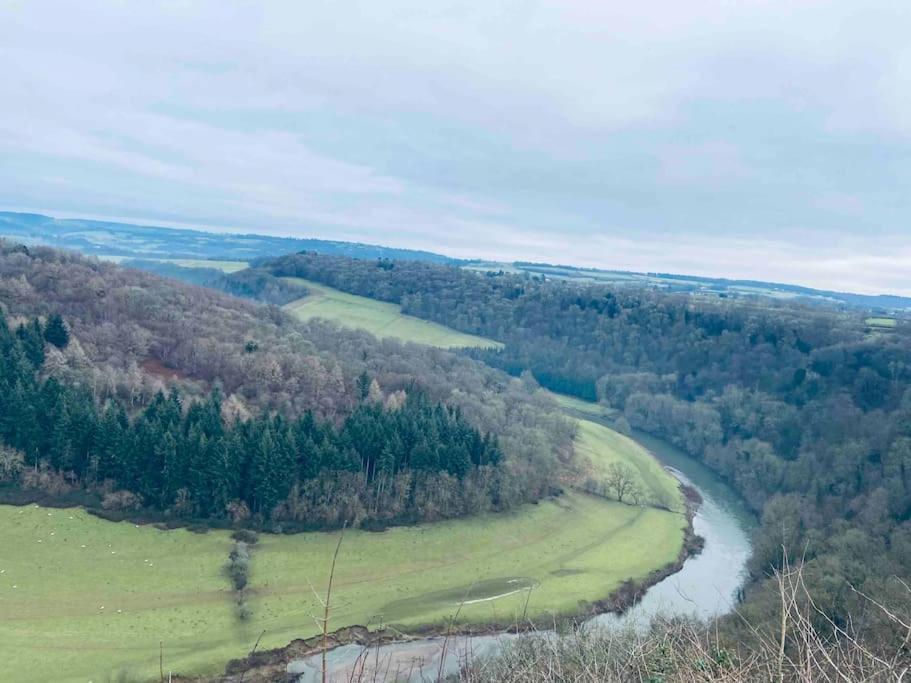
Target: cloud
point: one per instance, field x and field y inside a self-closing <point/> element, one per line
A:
<point x="749" y="138"/>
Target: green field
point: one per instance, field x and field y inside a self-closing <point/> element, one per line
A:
<point x="377" y="317"/>
<point x="82" y="598"/>
<point x="602" y="446"/>
<point x="580" y="408"/>
<point x="886" y="323"/>
<point x="224" y="266"/>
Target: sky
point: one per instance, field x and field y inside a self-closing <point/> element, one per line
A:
<point x="748" y="139"/>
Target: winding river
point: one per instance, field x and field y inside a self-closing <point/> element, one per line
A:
<point x="706" y="586"/>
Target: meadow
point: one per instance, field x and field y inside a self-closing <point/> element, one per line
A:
<point x="377" y="317"/>
<point x="601" y="447"/>
<point x="82" y="599"/>
<point x="882" y="323"/>
<point x="578" y="407"/>
<point x="224" y="266"/>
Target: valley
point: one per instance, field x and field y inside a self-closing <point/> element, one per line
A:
<point x="471" y="491"/>
<point x="86" y="596"/>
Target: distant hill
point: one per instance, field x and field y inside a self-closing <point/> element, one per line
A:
<point x="147" y="243"/>
<point x="709" y="286"/>
<point x="125" y="240"/>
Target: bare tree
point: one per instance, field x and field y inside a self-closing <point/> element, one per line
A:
<point x="620" y="480"/>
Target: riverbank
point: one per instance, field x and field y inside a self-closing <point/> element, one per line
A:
<point x="107" y="593"/>
<point x="272" y="665"/>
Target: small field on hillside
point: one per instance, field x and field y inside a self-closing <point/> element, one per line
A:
<point x="580" y="408"/>
<point x="603" y="446"/>
<point x="82" y="599"/>
<point x="378" y="317"/>
<point x="882" y="323"/>
<point x="224" y="266"/>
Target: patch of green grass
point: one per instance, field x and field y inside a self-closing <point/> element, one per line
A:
<point x="168" y="585"/>
<point x="578" y="407"/>
<point x="889" y="323"/>
<point x="602" y="446"/>
<point x="224" y="266"/>
<point x="377" y="317"/>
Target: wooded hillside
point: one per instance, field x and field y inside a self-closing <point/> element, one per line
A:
<point x="805" y="410"/>
<point x="144" y="354"/>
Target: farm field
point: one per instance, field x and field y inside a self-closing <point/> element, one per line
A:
<point x="377" y="317"/>
<point x="224" y="266"/>
<point x="82" y="599"/>
<point x="578" y="407"/>
<point x="603" y="446"/>
<point x="882" y="322"/>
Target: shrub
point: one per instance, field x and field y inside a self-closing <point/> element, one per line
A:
<point x="238" y="510"/>
<point x="243" y="610"/>
<point x="12" y="462"/>
<point x="45" y="479"/>
<point x="239" y="565"/>
<point x="246" y="535"/>
<point x="121" y="500"/>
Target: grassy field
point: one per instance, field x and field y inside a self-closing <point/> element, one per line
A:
<point x="377" y="317"/>
<point x="580" y="408"/>
<point x="602" y="446"/>
<point x="886" y="323"/>
<point x="82" y="598"/>
<point x="224" y="266"/>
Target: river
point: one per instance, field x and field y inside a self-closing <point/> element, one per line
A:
<point x="706" y="586"/>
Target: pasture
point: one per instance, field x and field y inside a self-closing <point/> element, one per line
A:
<point x="578" y="407"/>
<point x="881" y="322"/>
<point x="380" y="318"/>
<point x="224" y="266"/>
<point x="82" y="599"/>
<point x="601" y="446"/>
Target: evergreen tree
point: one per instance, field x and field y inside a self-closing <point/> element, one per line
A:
<point x="55" y="332"/>
<point x="363" y="385"/>
<point x="31" y="337"/>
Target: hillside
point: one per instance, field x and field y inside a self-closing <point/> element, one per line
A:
<point x="320" y="398"/>
<point x="382" y="319"/>
<point x="715" y="287"/>
<point x="127" y="370"/>
<point x="805" y="410"/>
<point x="127" y="240"/>
<point x="189" y="248"/>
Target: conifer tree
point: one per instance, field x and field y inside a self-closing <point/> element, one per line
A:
<point x="55" y="332"/>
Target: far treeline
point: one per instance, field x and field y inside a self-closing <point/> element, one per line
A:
<point x="800" y="408"/>
<point x="158" y="396"/>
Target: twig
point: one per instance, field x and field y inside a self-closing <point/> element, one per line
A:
<point x="326" y="607"/>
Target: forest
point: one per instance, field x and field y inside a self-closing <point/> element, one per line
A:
<point x="159" y="395"/>
<point x="392" y="462"/>
<point x="803" y="409"/>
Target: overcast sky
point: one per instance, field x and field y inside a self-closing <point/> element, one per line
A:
<point x="749" y="139"/>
